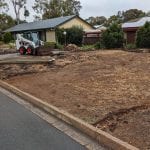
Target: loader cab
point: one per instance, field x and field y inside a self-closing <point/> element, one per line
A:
<point x="32" y="36"/>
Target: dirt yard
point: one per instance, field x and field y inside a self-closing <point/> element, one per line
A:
<point x="109" y="89"/>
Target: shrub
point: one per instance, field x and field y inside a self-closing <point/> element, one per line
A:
<point x="74" y="35"/>
<point x="7" y="37"/>
<point x="1" y="42"/>
<point x="87" y="47"/>
<point x="98" y="45"/>
<point x="50" y="44"/>
<point x="1" y="37"/>
<point x="113" y="37"/>
<point x="58" y="46"/>
<point x="143" y="36"/>
<point x="130" y="46"/>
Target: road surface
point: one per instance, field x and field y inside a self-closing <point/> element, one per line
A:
<point x="21" y="129"/>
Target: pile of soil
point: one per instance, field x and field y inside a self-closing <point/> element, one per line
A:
<point x="7" y="51"/>
<point x="72" y="48"/>
<point x="109" y="89"/>
<point x="10" y="70"/>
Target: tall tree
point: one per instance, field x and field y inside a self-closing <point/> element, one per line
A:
<point x="53" y="9"/>
<point x="99" y="20"/>
<point x="113" y="19"/>
<point x="6" y="21"/>
<point x="148" y="14"/>
<point x="18" y="5"/>
<point x="3" y="5"/>
<point x="39" y="7"/>
<point x="56" y="8"/>
<point x="71" y="7"/>
<point x="26" y="12"/>
<point x="132" y="14"/>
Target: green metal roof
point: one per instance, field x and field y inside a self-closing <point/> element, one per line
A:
<point x="42" y="24"/>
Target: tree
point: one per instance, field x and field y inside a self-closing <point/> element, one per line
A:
<point x="3" y="5"/>
<point x="71" y="7"/>
<point x="114" y="19"/>
<point x="39" y="7"/>
<point x="143" y="36"/>
<point x="148" y="14"/>
<point x="132" y="14"/>
<point x="113" y="37"/>
<point x="7" y="37"/>
<point x="99" y="20"/>
<point x="26" y="12"/>
<point x="6" y="21"/>
<point x="18" y="5"/>
<point x="73" y="35"/>
<point x="55" y="8"/>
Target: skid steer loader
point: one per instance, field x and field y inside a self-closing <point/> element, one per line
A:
<point x="28" y="43"/>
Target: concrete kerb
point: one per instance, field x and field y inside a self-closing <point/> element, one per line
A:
<point x="26" y="61"/>
<point x="97" y="134"/>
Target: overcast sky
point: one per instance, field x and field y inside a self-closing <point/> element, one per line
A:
<point x="99" y="7"/>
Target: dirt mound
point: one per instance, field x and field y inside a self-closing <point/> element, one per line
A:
<point x="72" y="48"/>
<point x="11" y="70"/>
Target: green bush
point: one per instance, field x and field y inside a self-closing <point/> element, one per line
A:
<point x="1" y="42"/>
<point x="50" y="44"/>
<point x="98" y="45"/>
<point x="7" y="37"/>
<point x="113" y="37"/>
<point x="1" y="37"/>
<point x="143" y="36"/>
<point x="58" y="46"/>
<point x="87" y="47"/>
<point x="130" y="46"/>
<point x="74" y="35"/>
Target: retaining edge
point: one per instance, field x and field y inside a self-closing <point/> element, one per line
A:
<point x="3" y="62"/>
<point x="97" y="134"/>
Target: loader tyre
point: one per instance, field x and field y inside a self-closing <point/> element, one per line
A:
<point x="22" y="50"/>
<point x="30" y="50"/>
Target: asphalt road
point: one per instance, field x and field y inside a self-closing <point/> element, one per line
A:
<point x="21" y="129"/>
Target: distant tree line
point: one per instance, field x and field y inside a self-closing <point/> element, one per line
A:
<point x="120" y="17"/>
<point x="55" y="8"/>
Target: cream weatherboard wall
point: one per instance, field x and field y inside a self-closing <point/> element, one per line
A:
<point x="76" y="22"/>
<point x="50" y="36"/>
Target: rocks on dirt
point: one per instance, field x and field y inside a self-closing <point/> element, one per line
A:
<point x="10" y="70"/>
<point x="7" y="51"/>
<point x="72" y="48"/>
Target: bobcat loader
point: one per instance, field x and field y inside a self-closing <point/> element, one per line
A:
<point x="28" y="43"/>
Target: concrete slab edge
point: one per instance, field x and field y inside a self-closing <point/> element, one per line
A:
<point x="27" y="62"/>
<point x="97" y="134"/>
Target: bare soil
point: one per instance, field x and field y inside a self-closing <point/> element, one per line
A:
<point x="109" y="89"/>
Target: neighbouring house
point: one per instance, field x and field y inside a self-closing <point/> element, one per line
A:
<point x="130" y="28"/>
<point x="46" y="28"/>
<point x="100" y="27"/>
<point x="93" y="36"/>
